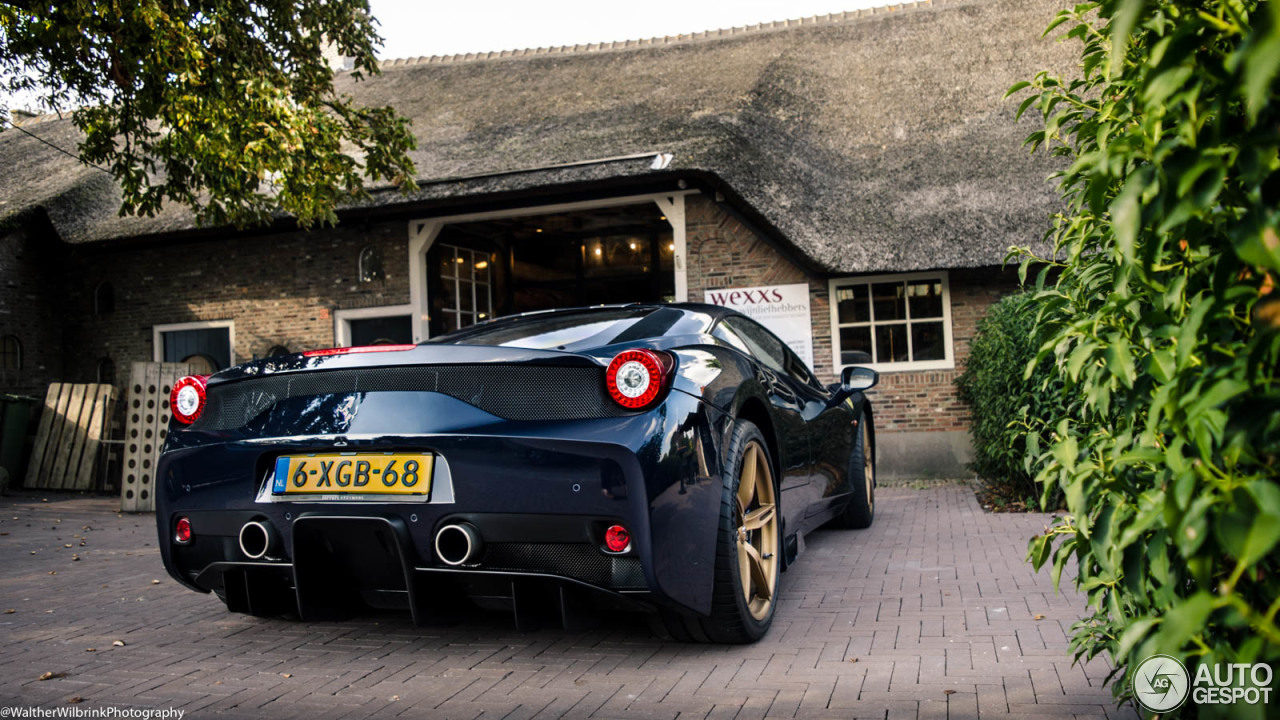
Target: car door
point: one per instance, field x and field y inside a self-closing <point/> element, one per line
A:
<point x="831" y="437"/>
<point x="788" y="404"/>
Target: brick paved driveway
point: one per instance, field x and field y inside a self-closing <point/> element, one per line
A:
<point x="930" y="614"/>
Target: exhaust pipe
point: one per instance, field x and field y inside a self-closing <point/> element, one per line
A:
<point x="257" y="538"/>
<point x="458" y="544"/>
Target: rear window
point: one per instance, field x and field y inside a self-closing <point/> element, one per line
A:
<point x="553" y="330"/>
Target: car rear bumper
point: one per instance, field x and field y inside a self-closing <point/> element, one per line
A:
<point x="540" y="506"/>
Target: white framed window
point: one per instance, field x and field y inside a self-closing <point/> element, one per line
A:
<point x="466" y="281"/>
<point x="208" y="345"/>
<point x="902" y="321"/>
<point x="389" y="324"/>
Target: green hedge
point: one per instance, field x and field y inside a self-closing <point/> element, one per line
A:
<point x="1165" y="322"/>
<point x="1004" y="403"/>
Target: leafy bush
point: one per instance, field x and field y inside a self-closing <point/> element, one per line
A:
<point x="1165" y="322"/>
<point x="1005" y="404"/>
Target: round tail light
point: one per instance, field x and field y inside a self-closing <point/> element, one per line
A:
<point x="617" y="539"/>
<point x="635" y="378"/>
<point x="182" y="531"/>
<point x="187" y="398"/>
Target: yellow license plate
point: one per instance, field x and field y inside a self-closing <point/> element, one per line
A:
<point x="354" y="473"/>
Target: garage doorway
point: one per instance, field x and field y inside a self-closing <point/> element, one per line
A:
<point x="489" y="268"/>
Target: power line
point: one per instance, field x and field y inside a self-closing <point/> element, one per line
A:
<point x="68" y="153"/>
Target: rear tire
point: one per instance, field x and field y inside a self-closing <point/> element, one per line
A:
<point x="860" y="511"/>
<point x="748" y="551"/>
<point x="748" y="543"/>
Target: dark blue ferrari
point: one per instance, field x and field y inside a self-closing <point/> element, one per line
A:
<point x="661" y="458"/>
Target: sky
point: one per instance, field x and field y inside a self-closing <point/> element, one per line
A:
<point x="411" y="28"/>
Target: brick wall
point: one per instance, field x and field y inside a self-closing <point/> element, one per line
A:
<point x="279" y="289"/>
<point x="927" y="401"/>
<point x="724" y="253"/>
<point x="30" y="309"/>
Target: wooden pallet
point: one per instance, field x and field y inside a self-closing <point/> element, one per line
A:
<point x="72" y="427"/>
<point x="145" y="427"/>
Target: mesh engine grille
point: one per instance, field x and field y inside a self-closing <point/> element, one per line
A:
<point x="511" y="392"/>
<point x="580" y="561"/>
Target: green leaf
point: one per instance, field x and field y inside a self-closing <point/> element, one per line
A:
<point x="1188" y="335"/>
<point x="1247" y="531"/>
<point x="1060" y="560"/>
<point x="1194" y="528"/>
<point x="1066" y="452"/>
<point x="1217" y="395"/>
<point x="1164" y="84"/>
<point x="1126" y="215"/>
<point x="1038" y="550"/>
<point x="1120" y="361"/>
<point x="1262" y="58"/>
<point x="1162" y="365"/>
<point x="1135" y="633"/>
<point x="1122" y="23"/>
<point x="1077" y="359"/>
<point x="1017" y="87"/>
<point x="1184" y="621"/>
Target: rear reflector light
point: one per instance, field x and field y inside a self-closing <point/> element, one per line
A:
<point x="635" y="378"/>
<point x="358" y="349"/>
<point x="182" y="532"/>
<point x="187" y="398"/>
<point x="617" y="539"/>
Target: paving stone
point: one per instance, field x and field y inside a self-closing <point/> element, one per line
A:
<point x="928" y="614"/>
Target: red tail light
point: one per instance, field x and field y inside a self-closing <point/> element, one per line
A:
<point x="182" y="531"/>
<point x="187" y="398"/>
<point x="617" y="539"/>
<point x="635" y="378"/>
<point x="358" y="349"/>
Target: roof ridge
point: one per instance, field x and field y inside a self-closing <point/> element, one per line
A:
<point x="828" y="19"/>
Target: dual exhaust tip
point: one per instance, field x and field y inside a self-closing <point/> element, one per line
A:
<point x="258" y="540"/>
<point x="456" y="544"/>
<point x="459" y="544"/>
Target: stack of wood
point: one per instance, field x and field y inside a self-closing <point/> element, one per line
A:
<point x="72" y="429"/>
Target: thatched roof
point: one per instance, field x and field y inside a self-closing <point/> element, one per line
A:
<point x="870" y="141"/>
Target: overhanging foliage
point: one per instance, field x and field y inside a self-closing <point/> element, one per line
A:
<point x="225" y="106"/>
<point x="1164" y="323"/>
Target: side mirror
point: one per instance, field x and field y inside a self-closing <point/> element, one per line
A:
<point x="857" y="378"/>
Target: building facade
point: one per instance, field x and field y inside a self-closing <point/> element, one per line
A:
<point x="751" y="167"/>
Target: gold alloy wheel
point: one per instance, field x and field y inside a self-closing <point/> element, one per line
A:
<point x="757" y="522"/>
<point x="868" y="467"/>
